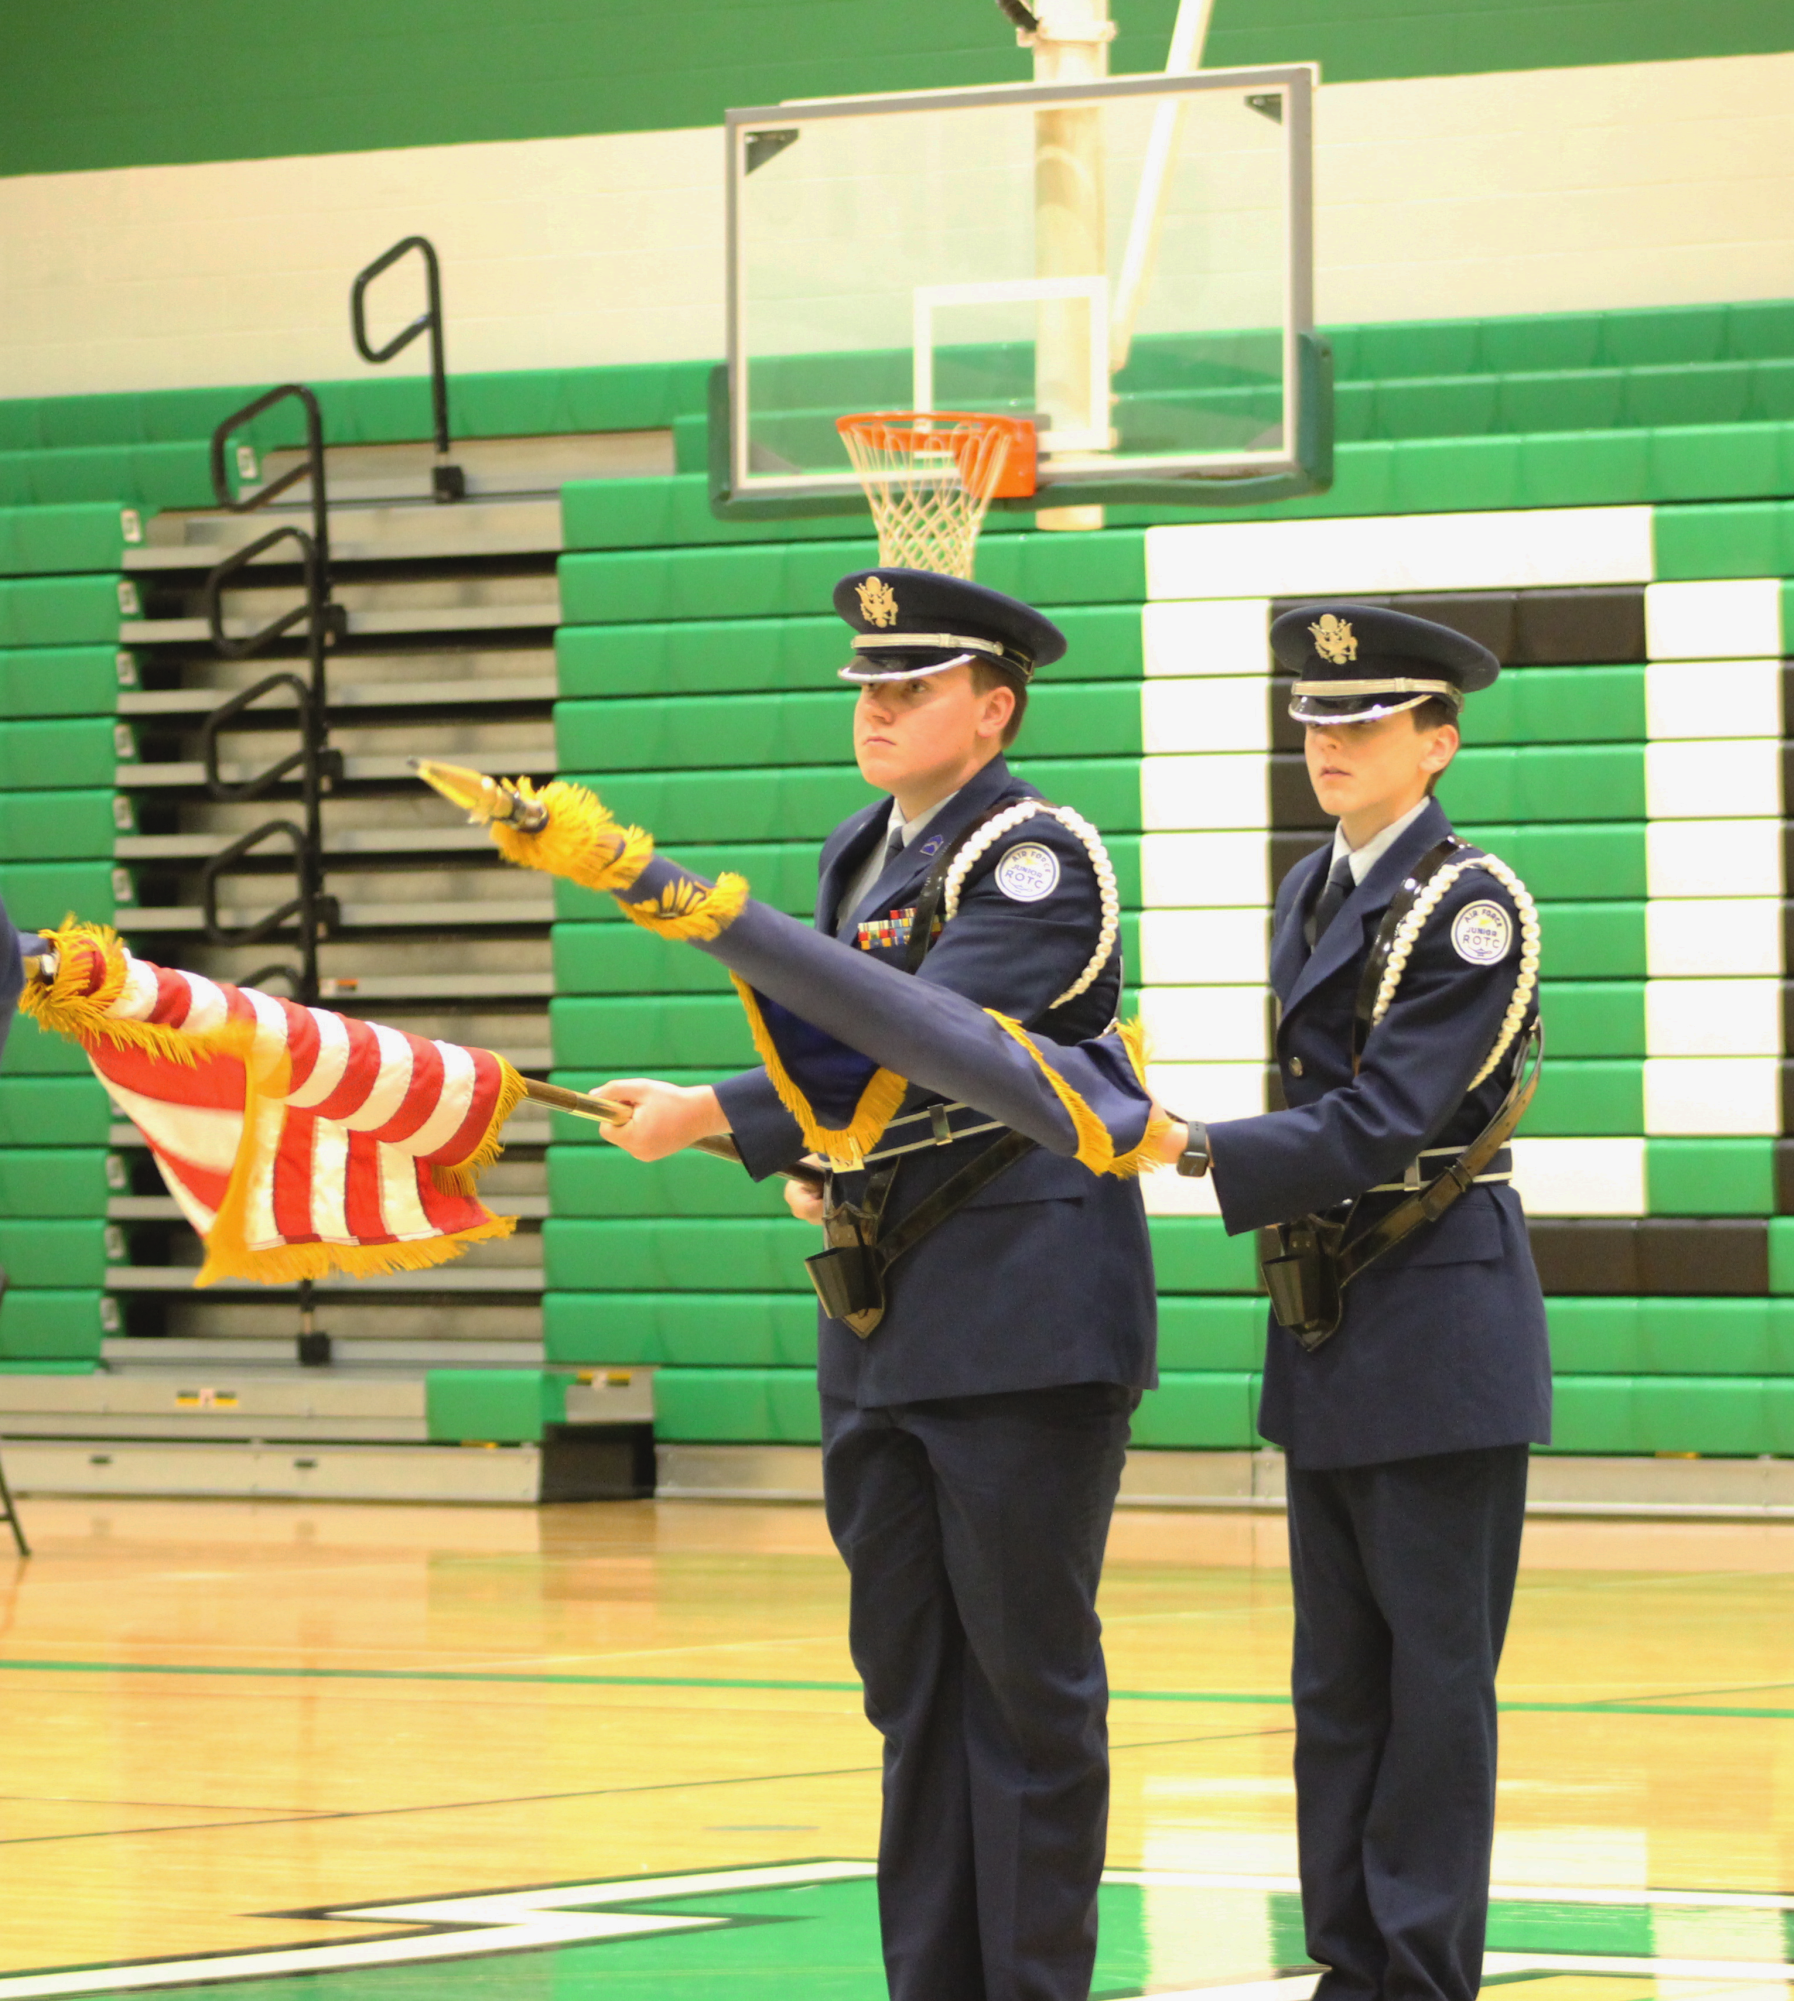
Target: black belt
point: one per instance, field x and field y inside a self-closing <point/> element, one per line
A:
<point x="943" y="1129"/>
<point x="1500" y="1168"/>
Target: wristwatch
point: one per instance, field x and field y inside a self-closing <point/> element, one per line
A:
<point x="1194" y="1159"/>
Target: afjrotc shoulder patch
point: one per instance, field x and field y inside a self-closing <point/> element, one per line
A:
<point x="890" y="934"/>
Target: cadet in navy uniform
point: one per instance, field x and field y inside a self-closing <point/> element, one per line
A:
<point x="1406" y="1431"/>
<point x="973" y="1443"/>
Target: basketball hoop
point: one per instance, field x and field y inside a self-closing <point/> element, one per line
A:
<point x="930" y="474"/>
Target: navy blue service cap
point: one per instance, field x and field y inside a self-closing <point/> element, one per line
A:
<point x="1356" y="662"/>
<point x="912" y="622"/>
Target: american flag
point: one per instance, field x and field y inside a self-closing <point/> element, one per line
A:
<point x="297" y="1141"/>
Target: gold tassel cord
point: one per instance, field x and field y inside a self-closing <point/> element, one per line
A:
<point x="845" y="1146"/>
<point x="691" y="910"/>
<point x="583" y="841"/>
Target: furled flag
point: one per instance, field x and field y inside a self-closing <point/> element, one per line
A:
<point x="296" y="1141"/>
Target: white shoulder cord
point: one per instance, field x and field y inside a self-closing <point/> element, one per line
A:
<point x="1074" y="822"/>
<point x="1402" y="945"/>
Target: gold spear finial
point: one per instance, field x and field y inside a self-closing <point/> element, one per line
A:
<point x="484" y="800"/>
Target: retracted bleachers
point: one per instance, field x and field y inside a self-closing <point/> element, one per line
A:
<point x="1607" y="498"/>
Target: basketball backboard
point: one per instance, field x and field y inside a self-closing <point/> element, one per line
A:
<point x="1128" y="262"/>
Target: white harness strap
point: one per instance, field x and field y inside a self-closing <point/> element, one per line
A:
<point x="1074" y="822"/>
<point x="1402" y="946"/>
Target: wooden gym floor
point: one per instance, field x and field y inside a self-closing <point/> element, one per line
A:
<point x="411" y="1754"/>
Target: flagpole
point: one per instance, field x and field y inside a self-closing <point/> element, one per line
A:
<point x="606" y="1112"/>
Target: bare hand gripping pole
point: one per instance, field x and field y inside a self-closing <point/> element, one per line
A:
<point x="604" y="1112"/>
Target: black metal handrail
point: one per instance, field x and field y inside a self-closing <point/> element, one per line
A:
<point x="447" y="482"/>
<point x="315" y="607"/>
<point x="312" y="747"/>
<point x="312" y="468"/>
<point x="314" y="764"/>
<point x="316" y="912"/>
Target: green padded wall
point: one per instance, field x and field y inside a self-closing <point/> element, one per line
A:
<point x="696" y="688"/>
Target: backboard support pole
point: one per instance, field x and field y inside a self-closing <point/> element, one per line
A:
<point x="1071" y="45"/>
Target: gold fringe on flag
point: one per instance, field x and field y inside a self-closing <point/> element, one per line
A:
<point x="1145" y="1158"/>
<point x="462" y="1177"/>
<point x="844" y="1146"/>
<point x="90" y="976"/>
<point x="1096" y="1150"/>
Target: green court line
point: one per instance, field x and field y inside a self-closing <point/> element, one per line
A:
<point x="1617" y="1705"/>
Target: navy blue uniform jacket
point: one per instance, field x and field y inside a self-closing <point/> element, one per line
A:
<point x="1045" y="1278"/>
<point x="1442" y="1344"/>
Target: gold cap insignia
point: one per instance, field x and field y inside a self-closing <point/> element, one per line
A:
<point x="1334" y="639"/>
<point x="878" y="602"/>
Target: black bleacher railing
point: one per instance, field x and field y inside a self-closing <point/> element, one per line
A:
<point x="311" y="913"/>
<point x="447" y="482"/>
<point x="309" y="910"/>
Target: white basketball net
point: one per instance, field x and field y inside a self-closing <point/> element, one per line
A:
<point x="929" y="476"/>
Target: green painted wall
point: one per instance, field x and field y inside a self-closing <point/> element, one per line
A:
<point x="111" y="84"/>
<point x="1354" y="40"/>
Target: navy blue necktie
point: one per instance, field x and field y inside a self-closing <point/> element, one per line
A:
<point x="1339" y="886"/>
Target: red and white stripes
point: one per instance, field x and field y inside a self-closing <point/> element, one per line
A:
<point x="296" y="1140"/>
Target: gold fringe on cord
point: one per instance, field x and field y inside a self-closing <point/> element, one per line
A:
<point x="582" y="841"/>
<point x="689" y="910"/>
<point x="462" y="1177"/>
<point x="846" y="1146"/>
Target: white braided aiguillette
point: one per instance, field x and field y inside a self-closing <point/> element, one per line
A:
<point x="1402" y="946"/>
<point x="1074" y="822"/>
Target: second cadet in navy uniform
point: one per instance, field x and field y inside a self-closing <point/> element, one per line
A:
<point x="1406" y="1431"/>
<point x="973" y="1440"/>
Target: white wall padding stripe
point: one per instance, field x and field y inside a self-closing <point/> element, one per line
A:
<point x="1518" y="549"/>
<point x="1205" y="636"/>
<point x="1691" y="938"/>
<point x="1206" y="1025"/>
<point x="1205" y="947"/>
<point x="1169" y="1194"/>
<point x="1734" y="620"/>
<point x="1691" y="699"/>
<point x="1209" y="1091"/>
<point x="1185" y="871"/>
<point x="1712" y="1094"/>
<point x="1714" y="858"/>
<point x="1713" y="1017"/>
<point x="1220" y="790"/>
<point x="1580" y="1177"/>
<point x="1735" y="777"/>
<point x="1227" y="712"/>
